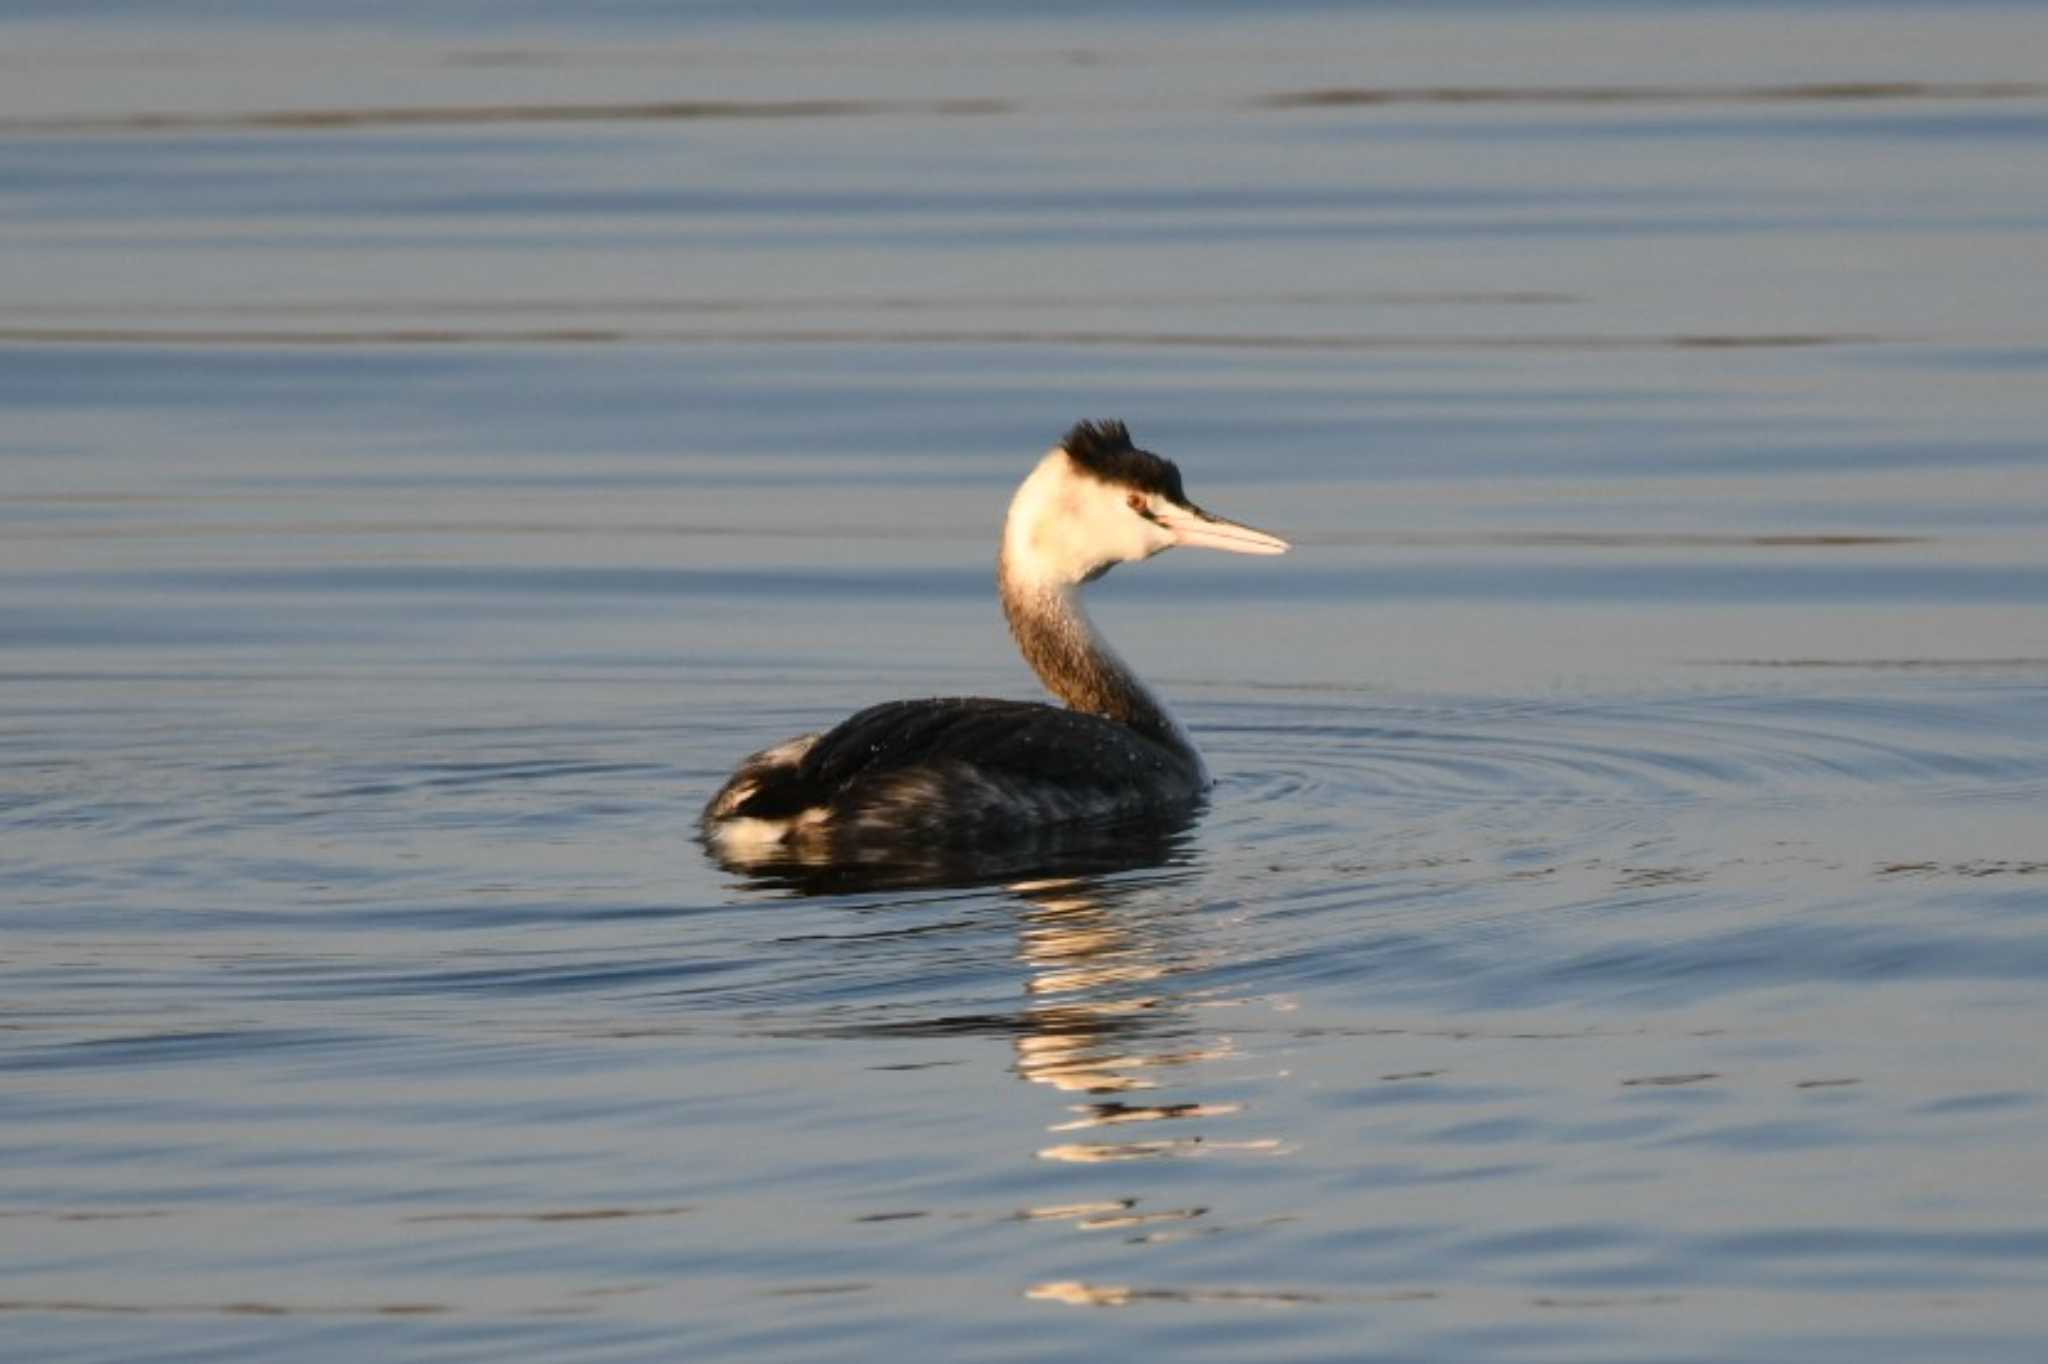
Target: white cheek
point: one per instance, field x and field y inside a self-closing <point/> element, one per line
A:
<point x="1105" y="531"/>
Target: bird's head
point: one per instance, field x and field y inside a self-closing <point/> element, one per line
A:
<point x="1096" y="501"/>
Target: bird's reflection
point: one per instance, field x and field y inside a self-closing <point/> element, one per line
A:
<point x="1110" y="1019"/>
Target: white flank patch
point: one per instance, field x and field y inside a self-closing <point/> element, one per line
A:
<point x="746" y="840"/>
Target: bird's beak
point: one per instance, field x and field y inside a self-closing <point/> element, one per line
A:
<point x="1195" y="527"/>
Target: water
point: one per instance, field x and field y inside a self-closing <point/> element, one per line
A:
<point x="435" y="452"/>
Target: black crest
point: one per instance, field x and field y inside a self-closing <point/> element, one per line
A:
<point x="1103" y="450"/>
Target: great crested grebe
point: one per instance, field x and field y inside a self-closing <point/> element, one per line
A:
<point x="976" y="770"/>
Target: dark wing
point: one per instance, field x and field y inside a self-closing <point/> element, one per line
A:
<point x="1004" y="747"/>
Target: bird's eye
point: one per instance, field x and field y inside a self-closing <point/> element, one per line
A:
<point x="1139" y="505"/>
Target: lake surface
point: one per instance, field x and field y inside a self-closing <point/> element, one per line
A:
<point x="437" y="443"/>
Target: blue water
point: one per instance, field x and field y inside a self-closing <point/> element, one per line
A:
<point x="438" y="442"/>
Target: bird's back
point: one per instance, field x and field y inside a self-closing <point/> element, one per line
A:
<point x="954" y="770"/>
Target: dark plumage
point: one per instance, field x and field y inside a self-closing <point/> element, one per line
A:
<point x="1103" y="450"/>
<point x="963" y="769"/>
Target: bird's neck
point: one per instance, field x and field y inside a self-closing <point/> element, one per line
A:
<point x="1077" y="665"/>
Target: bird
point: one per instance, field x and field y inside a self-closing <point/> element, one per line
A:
<point x="982" y="771"/>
